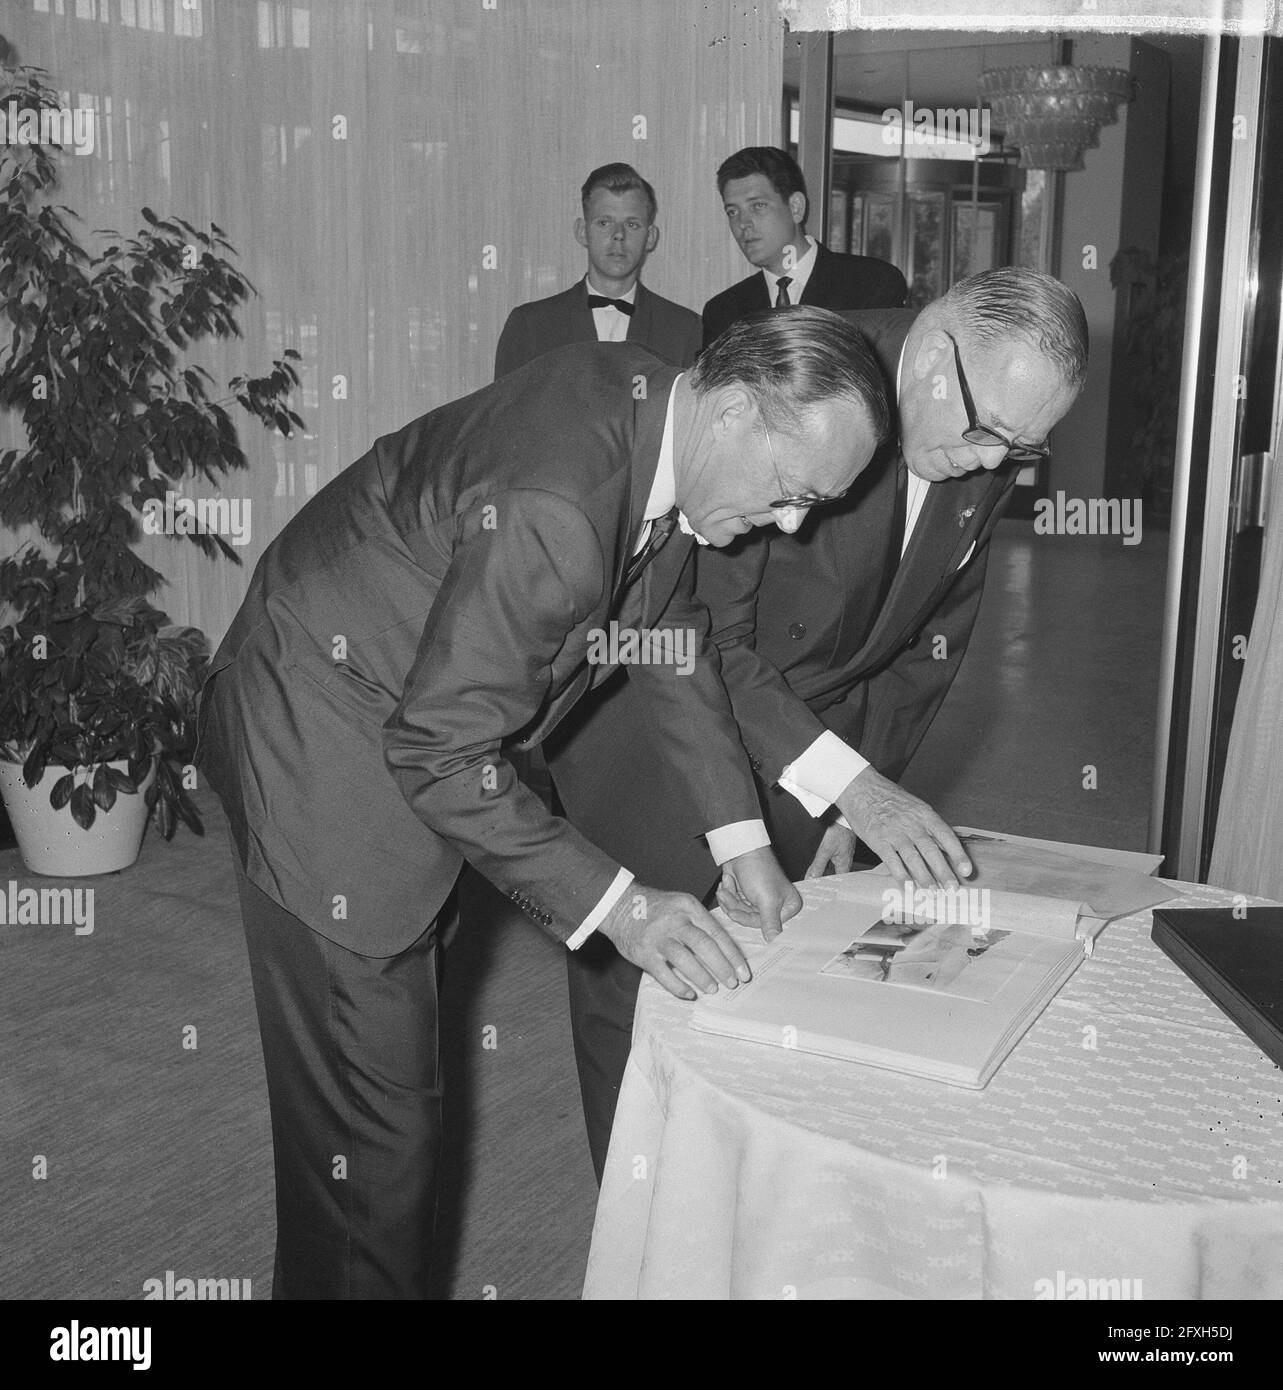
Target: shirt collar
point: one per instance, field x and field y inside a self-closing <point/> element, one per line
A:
<point x="663" y="491"/>
<point x="629" y="298"/>
<point x="798" y="276"/>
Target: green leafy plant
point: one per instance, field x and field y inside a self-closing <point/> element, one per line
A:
<point x="1155" y="334"/>
<point x="115" y="416"/>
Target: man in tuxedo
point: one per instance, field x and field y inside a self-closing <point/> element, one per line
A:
<point x="764" y="195"/>
<point x="838" y="644"/>
<point x="610" y="304"/>
<point x="442" y="597"/>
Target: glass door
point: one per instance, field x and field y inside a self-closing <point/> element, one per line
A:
<point x="1227" y="429"/>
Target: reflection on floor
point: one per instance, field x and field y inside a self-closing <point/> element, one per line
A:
<point x="1061" y="678"/>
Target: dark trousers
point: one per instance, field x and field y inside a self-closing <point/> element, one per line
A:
<point x="354" y="1086"/>
<point x="603" y="985"/>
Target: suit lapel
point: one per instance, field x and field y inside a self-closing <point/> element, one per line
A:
<point x="650" y="412"/>
<point x="818" y="289"/>
<point x="858" y="542"/>
<point x="581" y="327"/>
<point x="953" y="515"/>
<point x="640" y="324"/>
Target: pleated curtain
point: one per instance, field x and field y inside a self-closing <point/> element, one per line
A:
<point x="1247" y="853"/>
<point x="396" y="175"/>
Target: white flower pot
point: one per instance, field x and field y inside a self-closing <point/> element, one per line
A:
<point x="52" y="843"/>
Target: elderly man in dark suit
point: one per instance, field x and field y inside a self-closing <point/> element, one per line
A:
<point x="445" y="596"/>
<point x="764" y="195"/>
<point x="610" y="304"/>
<point x="838" y="644"/>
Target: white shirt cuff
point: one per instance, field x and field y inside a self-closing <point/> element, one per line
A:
<point x="822" y="773"/>
<point x="730" y="841"/>
<point x="598" y="915"/>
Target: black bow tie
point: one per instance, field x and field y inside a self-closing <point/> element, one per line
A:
<point x="599" y="301"/>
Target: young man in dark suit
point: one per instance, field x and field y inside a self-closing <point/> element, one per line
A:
<point x="764" y="195"/>
<point x="838" y="644"/>
<point x="444" y="597"/>
<point x="610" y="304"/>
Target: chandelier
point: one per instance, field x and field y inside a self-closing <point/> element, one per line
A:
<point x="1054" y="114"/>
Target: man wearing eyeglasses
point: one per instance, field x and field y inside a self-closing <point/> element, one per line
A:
<point x="839" y="643"/>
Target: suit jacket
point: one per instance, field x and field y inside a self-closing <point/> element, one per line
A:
<point x="657" y="324"/>
<point x="435" y="599"/>
<point x="806" y="644"/>
<point x="837" y="281"/>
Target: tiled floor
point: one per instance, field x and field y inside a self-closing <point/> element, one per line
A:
<point x="1062" y="676"/>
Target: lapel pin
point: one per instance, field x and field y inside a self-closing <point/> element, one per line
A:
<point x="964" y="515"/>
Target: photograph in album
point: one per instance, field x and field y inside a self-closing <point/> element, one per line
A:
<point x="938" y="956"/>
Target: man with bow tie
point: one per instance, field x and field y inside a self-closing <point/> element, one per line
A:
<point x="839" y="644"/>
<point x="435" y="604"/>
<point x="610" y="304"/>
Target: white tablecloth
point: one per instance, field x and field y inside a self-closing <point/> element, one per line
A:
<point x="1134" y="1135"/>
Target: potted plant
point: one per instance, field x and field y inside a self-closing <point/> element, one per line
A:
<point x="97" y="688"/>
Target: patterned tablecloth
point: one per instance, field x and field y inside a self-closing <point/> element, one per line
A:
<point x="1134" y="1138"/>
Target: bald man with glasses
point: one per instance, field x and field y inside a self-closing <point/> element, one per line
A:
<point x="839" y="643"/>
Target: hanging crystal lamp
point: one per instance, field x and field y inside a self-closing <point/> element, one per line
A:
<point x="1053" y="114"/>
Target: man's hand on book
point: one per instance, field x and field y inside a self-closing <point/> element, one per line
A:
<point x="673" y="937"/>
<point x="755" y="892"/>
<point x="837" y="848"/>
<point x="903" y="831"/>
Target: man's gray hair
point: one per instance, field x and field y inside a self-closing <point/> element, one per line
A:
<point x="791" y="359"/>
<point x="994" y="306"/>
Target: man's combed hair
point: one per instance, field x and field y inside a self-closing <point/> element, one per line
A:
<point x="993" y="305"/>
<point x="618" y="178"/>
<point x="780" y="168"/>
<point x="792" y="359"/>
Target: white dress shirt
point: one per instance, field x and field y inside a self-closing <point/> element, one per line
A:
<point x="612" y="326"/>
<point x="726" y="841"/>
<point x="797" y="277"/>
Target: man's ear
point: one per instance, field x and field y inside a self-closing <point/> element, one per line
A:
<point x="581" y="231"/>
<point x="797" y="207"/>
<point x="732" y="407"/>
<point x="929" y="354"/>
<point x="652" y="237"/>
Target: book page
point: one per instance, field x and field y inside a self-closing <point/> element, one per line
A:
<point x="1106" y="889"/>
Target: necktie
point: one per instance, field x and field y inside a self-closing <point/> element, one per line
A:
<point x="782" y="300"/>
<point x="660" y="530"/>
<point x="599" y="301"/>
<point x="899" y="513"/>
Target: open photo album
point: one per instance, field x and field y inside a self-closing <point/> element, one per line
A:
<point x="937" y="983"/>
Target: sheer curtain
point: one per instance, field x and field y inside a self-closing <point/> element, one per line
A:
<point x="1248" y="852"/>
<point x="395" y="176"/>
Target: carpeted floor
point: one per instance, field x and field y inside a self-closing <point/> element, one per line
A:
<point x="158" y="1153"/>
